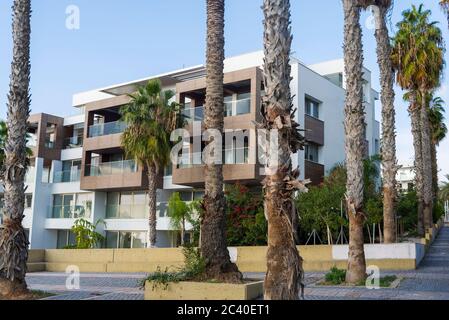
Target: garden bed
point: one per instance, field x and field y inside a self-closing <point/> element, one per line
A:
<point x="189" y="290"/>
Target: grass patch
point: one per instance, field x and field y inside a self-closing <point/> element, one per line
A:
<point x="335" y="276"/>
<point x="385" y="282"/>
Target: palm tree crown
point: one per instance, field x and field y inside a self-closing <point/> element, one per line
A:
<point x="150" y="117"/>
<point x="418" y="50"/>
<point x="436" y="118"/>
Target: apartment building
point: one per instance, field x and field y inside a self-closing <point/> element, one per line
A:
<point x="405" y="178"/>
<point x="80" y="170"/>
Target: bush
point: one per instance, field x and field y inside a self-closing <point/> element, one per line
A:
<point x="407" y="210"/>
<point x="194" y="267"/>
<point x="246" y="223"/>
<point x="335" y="276"/>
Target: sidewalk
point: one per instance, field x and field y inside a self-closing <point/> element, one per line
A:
<point x="429" y="282"/>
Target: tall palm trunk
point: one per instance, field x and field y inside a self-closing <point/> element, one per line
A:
<point x="389" y="162"/>
<point x="284" y="264"/>
<point x="435" y="186"/>
<point x="213" y="226"/>
<point x="416" y="133"/>
<point x="13" y="240"/>
<point x="152" y="205"/>
<point x="354" y="131"/>
<point x="426" y="142"/>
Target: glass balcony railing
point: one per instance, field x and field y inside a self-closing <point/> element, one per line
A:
<point x="73" y="142"/>
<point x="111" y="168"/>
<point x="237" y="107"/>
<point x="69" y="212"/>
<point x="67" y="176"/>
<point x="231" y="109"/>
<point x="105" y="129"/>
<point x="230" y="156"/>
<point x="135" y="211"/>
<point x="193" y="114"/>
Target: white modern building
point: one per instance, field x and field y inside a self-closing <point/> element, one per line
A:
<point x="79" y="169"/>
<point x="405" y="178"/>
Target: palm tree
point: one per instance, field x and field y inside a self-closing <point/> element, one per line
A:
<point x="13" y="240"/>
<point x="284" y="264"/>
<point x="445" y="6"/>
<point x="150" y="118"/>
<point x="439" y="131"/>
<point x="389" y="161"/>
<point x="3" y="136"/>
<point x="418" y="57"/>
<point x="354" y="131"/>
<point x="213" y="224"/>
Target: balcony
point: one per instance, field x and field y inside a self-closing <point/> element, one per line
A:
<point x="314" y="130"/>
<point x="231" y="109"/>
<point x="105" y="129"/>
<point x="111" y="168"/>
<point x="236" y="168"/>
<point x="314" y="171"/>
<point x="73" y="142"/>
<point x="67" y="176"/>
<point x="68" y="212"/>
<point x="230" y="156"/>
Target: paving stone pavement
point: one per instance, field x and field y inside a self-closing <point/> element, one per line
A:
<point x="429" y="282"/>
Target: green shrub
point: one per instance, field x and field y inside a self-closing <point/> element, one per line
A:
<point x="335" y="276"/>
<point x="407" y="210"/>
<point x="246" y="223"/>
<point x="194" y="267"/>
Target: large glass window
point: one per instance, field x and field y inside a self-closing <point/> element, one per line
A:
<point x="312" y="152"/>
<point x="126" y="205"/>
<point x="126" y="240"/>
<point x="243" y="103"/>
<point x="65" y="238"/>
<point x="312" y="108"/>
<point x="71" y="206"/>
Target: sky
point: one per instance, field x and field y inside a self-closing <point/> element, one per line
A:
<point x="120" y="41"/>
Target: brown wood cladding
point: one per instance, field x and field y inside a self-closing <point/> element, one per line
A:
<point x="314" y="172"/>
<point x="315" y="130"/>
<point x="42" y="150"/>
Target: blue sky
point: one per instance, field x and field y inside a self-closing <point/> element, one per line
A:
<point x="123" y="40"/>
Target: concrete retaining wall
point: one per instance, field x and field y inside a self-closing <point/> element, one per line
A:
<point x="400" y="256"/>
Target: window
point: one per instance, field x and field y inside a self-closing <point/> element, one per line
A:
<point x="168" y="171"/>
<point x="71" y="206"/>
<point x="126" y="240"/>
<point x="28" y="201"/>
<point x="312" y="152"/>
<point x="126" y="205"/>
<point x="312" y="108"/>
<point x="65" y="238"/>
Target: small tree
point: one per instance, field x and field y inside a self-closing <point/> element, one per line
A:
<point x="86" y="235"/>
<point x="180" y="212"/>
